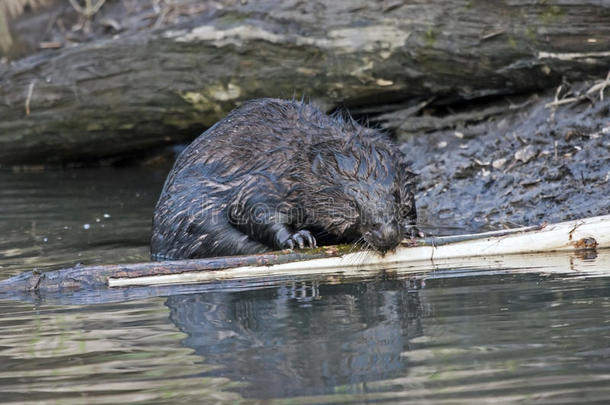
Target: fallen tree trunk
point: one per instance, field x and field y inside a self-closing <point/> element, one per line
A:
<point x="145" y="89"/>
<point x="585" y="234"/>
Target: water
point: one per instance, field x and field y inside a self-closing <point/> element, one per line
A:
<point x="61" y="218"/>
<point x="528" y="335"/>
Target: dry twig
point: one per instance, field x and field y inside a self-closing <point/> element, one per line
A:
<point x="89" y="9"/>
<point x="29" y="97"/>
<point x="598" y="86"/>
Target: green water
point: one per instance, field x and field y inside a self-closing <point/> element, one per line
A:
<point x="440" y="337"/>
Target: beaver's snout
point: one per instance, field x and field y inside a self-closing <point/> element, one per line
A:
<point x="385" y="236"/>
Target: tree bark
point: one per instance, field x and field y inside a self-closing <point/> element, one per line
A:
<point x="142" y="90"/>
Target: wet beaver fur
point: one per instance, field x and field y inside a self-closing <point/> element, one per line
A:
<point x="278" y="174"/>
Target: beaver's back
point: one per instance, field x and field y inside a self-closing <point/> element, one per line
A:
<point x="253" y="134"/>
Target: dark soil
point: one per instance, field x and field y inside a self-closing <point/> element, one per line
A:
<point x="533" y="165"/>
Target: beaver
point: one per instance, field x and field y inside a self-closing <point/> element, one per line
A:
<point x="280" y="174"/>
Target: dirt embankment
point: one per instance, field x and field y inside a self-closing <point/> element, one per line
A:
<point x="538" y="163"/>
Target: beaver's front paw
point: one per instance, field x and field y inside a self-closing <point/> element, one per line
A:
<point x="300" y="239"/>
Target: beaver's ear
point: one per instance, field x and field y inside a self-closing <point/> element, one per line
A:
<point x="408" y="183"/>
<point x="407" y="176"/>
<point x="408" y="180"/>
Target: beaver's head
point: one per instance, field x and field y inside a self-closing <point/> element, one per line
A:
<point x="363" y="190"/>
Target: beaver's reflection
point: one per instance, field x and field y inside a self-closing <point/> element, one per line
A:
<point x="303" y="338"/>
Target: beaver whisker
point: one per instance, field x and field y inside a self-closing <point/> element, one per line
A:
<point x="357" y="244"/>
<point x="369" y="246"/>
<point x="364" y="251"/>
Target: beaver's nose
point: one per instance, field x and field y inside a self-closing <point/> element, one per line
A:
<point x="386" y="236"/>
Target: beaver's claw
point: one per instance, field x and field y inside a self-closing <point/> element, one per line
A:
<point x="299" y="239"/>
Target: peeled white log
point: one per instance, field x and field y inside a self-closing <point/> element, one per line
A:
<point x="588" y="233"/>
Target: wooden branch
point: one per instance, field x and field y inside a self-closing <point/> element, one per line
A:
<point x="589" y="233"/>
<point x="145" y="89"/>
<point x="97" y="276"/>
<point x="599" y="86"/>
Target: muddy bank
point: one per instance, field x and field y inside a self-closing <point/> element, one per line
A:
<point x="535" y="164"/>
